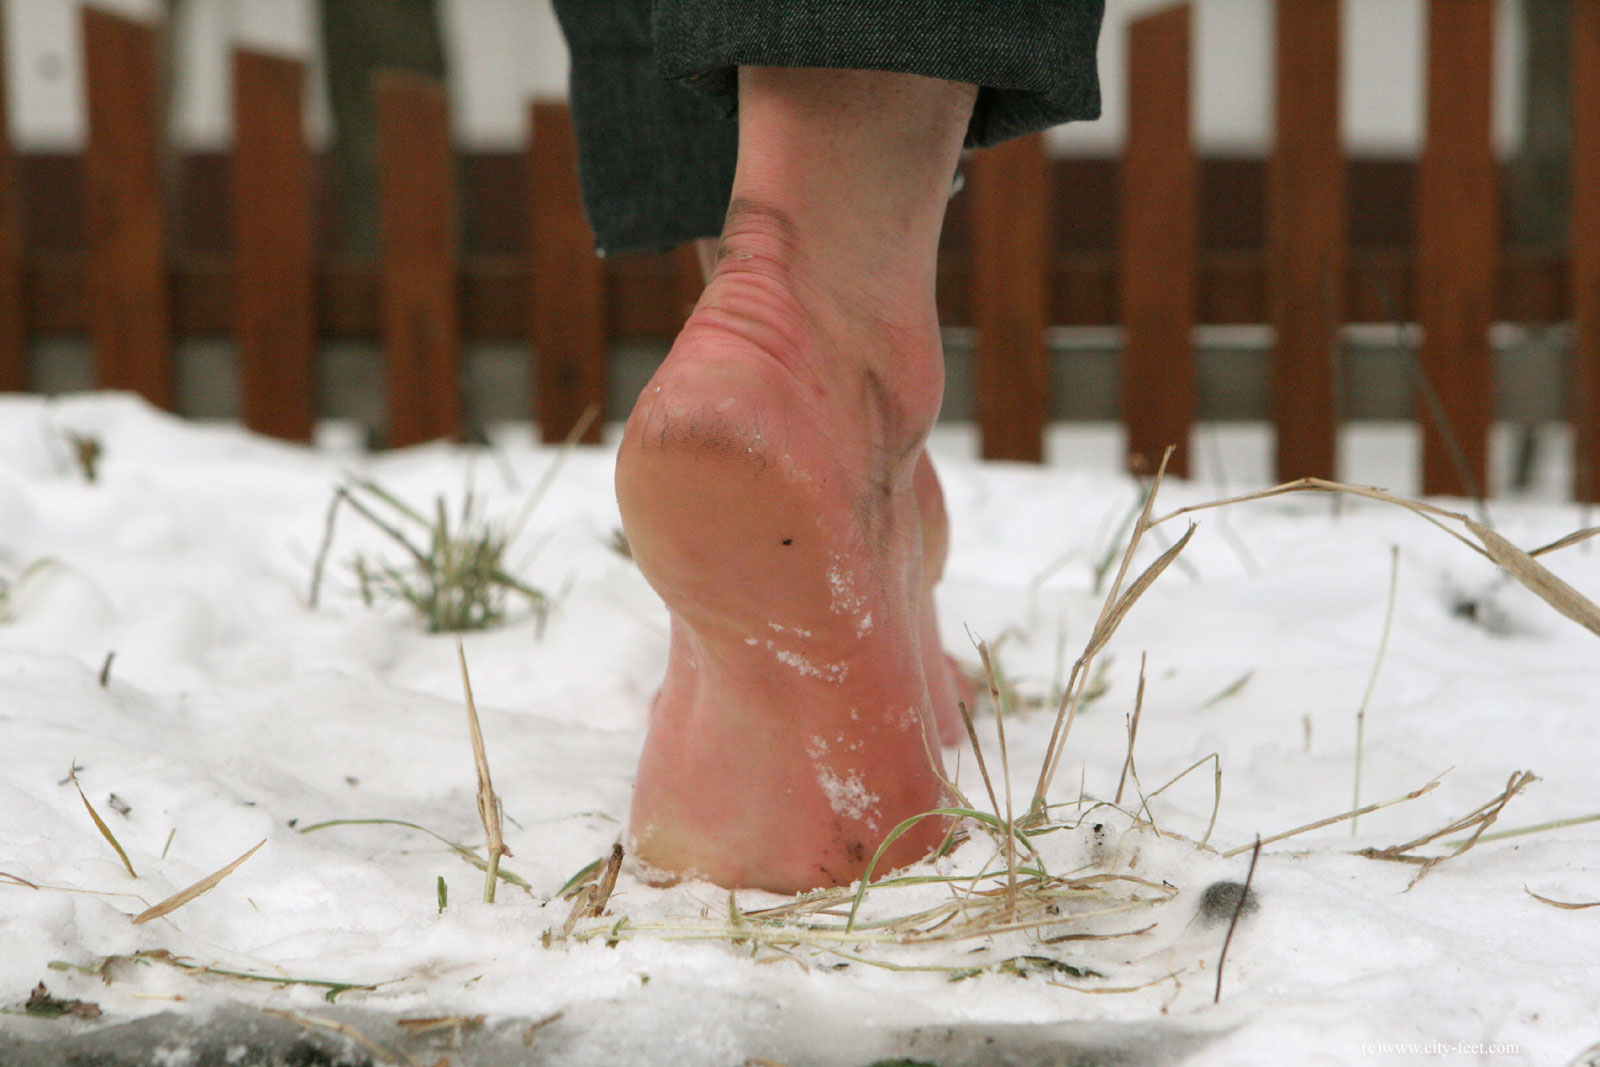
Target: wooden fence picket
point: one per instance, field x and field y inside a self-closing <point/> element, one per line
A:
<point x="1585" y="244"/>
<point x="420" y="251"/>
<point x="568" y="329"/>
<point x="128" y="297"/>
<point x="1008" y="190"/>
<point x="1457" y="249"/>
<point x="1157" y="243"/>
<point x="1306" y="238"/>
<point x="688" y="277"/>
<point x="13" y="308"/>
<point x="275" y="278"/>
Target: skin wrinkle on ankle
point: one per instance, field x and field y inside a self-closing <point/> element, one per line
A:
<point x="748" y="214"/>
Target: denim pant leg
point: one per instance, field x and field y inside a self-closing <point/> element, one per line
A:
<point x="655" y="157"/>
<point x="653" y="92"/>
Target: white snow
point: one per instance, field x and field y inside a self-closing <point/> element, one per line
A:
<point x="235" y="713"/>
<point x="828" y="672"/>
<point x="848" y="794"/>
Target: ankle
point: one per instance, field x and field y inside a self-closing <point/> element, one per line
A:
<point x="859" y="359"/>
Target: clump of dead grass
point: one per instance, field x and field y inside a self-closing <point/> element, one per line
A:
<point x="453" y="574"/>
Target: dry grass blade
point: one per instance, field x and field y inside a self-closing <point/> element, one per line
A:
<point x="1562" y="903"/>
<point x="14" y="880"/>
<point x="434" y="1023"/>
<point x="1064" y="938"/>
<point x="608" y="882"/>
<point x="1108" y="625"/>
<point x="1518" y="563"/>
<point x="321" y="559"/>
<point x="1324" y="485"/>
<point x="204" y="885"/>
<point x="1233" y="922"/>
<point x="1216" y="790"/>
<point x="1133" y="731"/>
<point x="1005" y="776"/>
<point x="1103" y="632"/>
<point x="1537" y="577"/>
<point x="1515" y="561"/>
<point x="1537" y="828"/>
<point x="1232" y="689"/>
<point x="568" y="443"/>
<point x="100" y="824"/>
<point x="1072" y="698"/>
<point x="1479" y="820"/>
<point x="1576" y="537"/>
<point x="572" y="886"/>
<point x="335" y="1026"/>
<point x="1372" y="679"/>
<point x="977" y="751"/>
<point x="1333" y="819"/>
<point x="589" y="900"/>
<point x="455" y="846"/>
<point x="533" y="1028"/>
<point x="488" y="802"/>
<point x="331" y="989"/>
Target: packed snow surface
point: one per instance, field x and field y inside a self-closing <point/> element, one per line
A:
<point x="157" y="644"/>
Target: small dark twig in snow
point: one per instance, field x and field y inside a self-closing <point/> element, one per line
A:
<point x="1244" y="895"/>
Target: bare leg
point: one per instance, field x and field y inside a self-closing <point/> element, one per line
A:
<point x="774" y="488"/>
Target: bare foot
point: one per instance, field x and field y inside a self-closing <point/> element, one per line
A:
<point x="774" y="488"/>
<point x="948" y="684"/>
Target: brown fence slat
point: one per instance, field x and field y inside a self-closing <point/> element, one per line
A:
<point x="1157" y="242"/>
<point x="688" y="277"/>
<point x="1306" y="238"/>
<point x="13" y="321"/>
<point x="275" y="275"/>
<point x="1009" y="262"/>
<point x="568" y="331"/>
<point x="1586" y="247"/>
<point x="129" y="319"/>
<point x="419" y="239"/>
<point x="1457" y="236"/>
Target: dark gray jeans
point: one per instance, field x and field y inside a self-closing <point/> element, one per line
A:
<point x="653" y="88"/>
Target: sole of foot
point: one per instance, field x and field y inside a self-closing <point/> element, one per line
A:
<point x="775" y="508"/>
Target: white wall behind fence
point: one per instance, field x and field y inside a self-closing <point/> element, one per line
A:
<point x="502" y="52"/>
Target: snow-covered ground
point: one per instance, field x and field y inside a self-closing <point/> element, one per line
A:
<point x="233" y="713"/>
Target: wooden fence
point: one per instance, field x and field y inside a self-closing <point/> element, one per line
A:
<point x="133" y="294"/>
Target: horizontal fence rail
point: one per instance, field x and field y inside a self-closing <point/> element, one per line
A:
<point x="1157" y="242"/>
